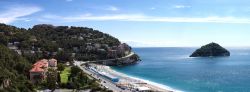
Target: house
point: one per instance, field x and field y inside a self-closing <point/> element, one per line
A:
<point x="12" y="46"/>
<point x="40" y="68"/>
<point x="38" y="71"/>
<point x="80" y="38"/>
<point x="97" y="45"/>
<point x="90" y="48"/>
<point x="73" y="54"/>
<point x="60" y="49"/>
<point x="16" y="43"/>
<point x="1" y="33"/>
<point x="18" y="52"/>
<point x="112" y="53"/>
<point x="52" y="62"/>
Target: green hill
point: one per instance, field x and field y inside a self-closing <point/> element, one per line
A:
<point x="61" y="42"/>
<point x="211" y="49"/>
<point x="20" y="48"/>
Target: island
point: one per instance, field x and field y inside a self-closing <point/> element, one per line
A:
<point x="210" y="50"/>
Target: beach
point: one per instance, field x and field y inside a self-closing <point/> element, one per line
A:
<point x="132" y="83"/>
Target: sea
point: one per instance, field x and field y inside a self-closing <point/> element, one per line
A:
<point x="172" y="67"/>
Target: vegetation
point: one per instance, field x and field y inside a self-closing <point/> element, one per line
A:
<point x="60" y="67"/>
<point x="20" y="48"/>
<point x="79" y="80"/>
<point x="51" y="80"/>
<point x="14" y="71"/>
<point x="65" y="74"/>
<point x="61" y="42"/>
<point x="211" y="49"/>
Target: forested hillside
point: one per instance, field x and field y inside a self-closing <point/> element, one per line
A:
<point x="14" y="72"/>
<point x="62" y="42"/>
<point x="20" y="48"/>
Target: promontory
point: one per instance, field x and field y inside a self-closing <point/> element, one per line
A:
<point x="210" y="50"/>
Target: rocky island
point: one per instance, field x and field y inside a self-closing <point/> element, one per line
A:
<point x="211" y="49"/>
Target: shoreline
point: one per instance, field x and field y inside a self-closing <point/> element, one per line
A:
<point x="128" y="79"/>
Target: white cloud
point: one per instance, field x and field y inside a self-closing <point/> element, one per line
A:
<point x="181" y="6"/>
<point x="14" y="13"/>
<point x="112" y="8"/>
<point x="145" y="18"/>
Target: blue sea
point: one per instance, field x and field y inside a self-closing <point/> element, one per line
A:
<point x="174" y="68"/>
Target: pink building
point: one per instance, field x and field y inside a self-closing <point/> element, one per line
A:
<point x="38" y="72"/>
<point x="40" y="68"/>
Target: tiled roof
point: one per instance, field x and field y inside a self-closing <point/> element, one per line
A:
<point x="37" y="67"/>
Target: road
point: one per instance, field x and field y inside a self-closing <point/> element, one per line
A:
<point x="127" y="56"/>
<point x="110" y="85"/>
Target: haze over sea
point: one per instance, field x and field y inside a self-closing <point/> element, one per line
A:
<point x="173" y="67"/>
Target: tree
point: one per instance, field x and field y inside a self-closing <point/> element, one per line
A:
<point x="13" y="71"/>
<point x="52" y="79"/>
<point x="60" y="67"/>
<point x="75" y="70"/>
<point x="3" y="39"/>
<point x="63" y="56"/>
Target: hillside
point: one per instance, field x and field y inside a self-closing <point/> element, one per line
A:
<point x="19" y="48"/>
<point x="14" y="71"/>
<point x="211" y="49"/>
<point x="62" y="42"/>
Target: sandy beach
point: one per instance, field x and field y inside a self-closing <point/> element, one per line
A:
<point x="131" y="83"/>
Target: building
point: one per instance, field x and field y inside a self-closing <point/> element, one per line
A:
<point x="40" y="68"/>
<point x="143" y="89"/>
<point x="112" y="53"/>
<point x="12" y="46"/>
<point x="52" y="62"/>
<point x="38" y="71"/>
<point x="97" y="45"/>
<point x="109" y="76"/>
<point x="18" y="52"/>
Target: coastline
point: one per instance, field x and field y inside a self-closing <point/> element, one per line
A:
<point x="124" y="78"/>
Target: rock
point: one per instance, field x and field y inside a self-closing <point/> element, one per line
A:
<point x="211" y="49"/>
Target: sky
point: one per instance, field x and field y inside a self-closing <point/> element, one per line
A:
<point x="142" y="23"/>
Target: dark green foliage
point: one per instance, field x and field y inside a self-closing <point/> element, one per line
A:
<point x="63" y="56"/>
<point x="211" y="49"/>
<point x="14" y="71"/>
<point x="60" y="40"/>
<point x="47" y="41"/>
<point x="51" y="81"/>
<point x="75" y="70"/>
<point x="60" y="67"/>
<point x="80" y="81"/>
<point x="3" y="39"/>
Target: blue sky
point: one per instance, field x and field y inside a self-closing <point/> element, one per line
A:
<point x="142" y="23"/>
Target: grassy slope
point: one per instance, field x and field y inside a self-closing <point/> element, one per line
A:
<point x="65" y="74"/>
